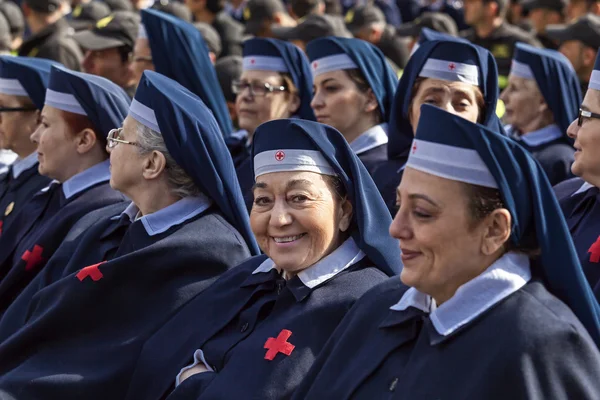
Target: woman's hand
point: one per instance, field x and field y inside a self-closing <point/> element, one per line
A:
<point x="192" y="371"/>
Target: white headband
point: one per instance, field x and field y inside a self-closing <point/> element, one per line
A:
<point x="450" y="71"/>
<point x="455" y="163"/>
<point x="12" y="87"/>
<point x="521" y="70"/>
<point x="595" y="80"/>
<point x="144" y="115"/>
<point x="264" y="63"/>
<point x="64" y="101"/>
<point x="332" y="63"/>
<point x="291" y="160"/>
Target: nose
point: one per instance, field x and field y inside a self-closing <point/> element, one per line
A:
<point x="280" y="215"/>
<point x="400" y="228"/>
<point x="317" y="101"/>
<point x="573" y="129"/>
<point x="504" y="96"/>
<point x="35" y="136"/>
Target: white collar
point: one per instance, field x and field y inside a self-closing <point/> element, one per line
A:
<point x="92" y="176"/>
<point x="371" y="138"/>
<point x="175" y="214"/>
<point x="20" y="166"/>
<point x="340" y="259"/>
<point x="583" y="188"/>
<point x="542" y="136"/>
<point x="504" y="277"/>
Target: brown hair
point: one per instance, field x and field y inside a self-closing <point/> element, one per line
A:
<point x="482" y="202"/>
<point x="77" y="123"/>
<point x="478" y="98"/>
<point x="363" y="86"/>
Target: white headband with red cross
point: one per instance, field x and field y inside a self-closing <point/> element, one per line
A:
<point x="450" y="71"/>
<point x="285" y="160"/>
<point x="332" y="63"/>
<point x="264" y="63"/>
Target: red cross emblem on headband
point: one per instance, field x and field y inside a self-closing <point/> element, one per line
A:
<point x="279" y="345"/>
<point x="32" y="258"/>
<point x="92" y="271"/>
<point x="595" y="251"/>
<point x="414" y="148"/>
<point x="252" y="61"/>
<point x="315" y="64"/>
<point x="451" y="66"/>
<point x="280" y="155"/>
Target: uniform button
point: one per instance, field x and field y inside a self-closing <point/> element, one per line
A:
<point x="244" y="327"/>
<point x="393" y="385"/>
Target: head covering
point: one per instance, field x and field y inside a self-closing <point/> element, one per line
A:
<point x="333" y="53"/>
<point x="25" y="76"/>
<point x="433" y="22"/>
<point x="555" y="78"/>
<point x="447" y="60"/>
<point x="595" y="76"/>
<point x="229" y="69"/>
<point x="180" y="53"/>
<point x="194" y="140"/>
<point x="173" y="8"/>
<point x="102" y="101"/>
<point x="86" y="15"/>
<point x="471" y="153"/>
<point x="310" y="146"/>
<point x="312" y="27"/>
<point x="279" y="56"/>
<point x="116" y="30"/>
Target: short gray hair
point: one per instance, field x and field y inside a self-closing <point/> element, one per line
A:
<point x="181" y="183"/>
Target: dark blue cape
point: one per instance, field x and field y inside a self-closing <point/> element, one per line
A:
<point x="97" y="319"/>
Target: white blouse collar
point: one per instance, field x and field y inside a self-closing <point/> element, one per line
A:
<point x="504" y="277"/>
<point x="340" y="259"/>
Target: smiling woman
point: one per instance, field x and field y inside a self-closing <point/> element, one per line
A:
<point x="322" y="225"/>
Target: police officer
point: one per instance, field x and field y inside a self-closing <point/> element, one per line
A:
<point x="543" y="13"/>
<point x="51" y="34"/>
<point x="368" y="23"/>
<point x="579" y="42"/>
<point x="490" y="30"/>
<point x="109" y="47"/>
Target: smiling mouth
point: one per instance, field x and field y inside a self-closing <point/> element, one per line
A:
<point x="288" y="239"/>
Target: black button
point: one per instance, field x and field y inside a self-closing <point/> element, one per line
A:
<point x="393" y="385"/>
<point x="244" y="327"/>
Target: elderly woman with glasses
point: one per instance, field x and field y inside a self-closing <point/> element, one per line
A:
<point x="491" y="302"/>
<point x="255" y="333"/>
<point x="79" y="111"/>
<point x="276" y="83"/>
<point x="129" y="273"/>
<point x="579" y="197"/>
<point x="23" y="83"/>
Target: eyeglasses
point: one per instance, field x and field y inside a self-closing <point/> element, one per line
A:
<point x="142" y="59"/>
<point x="114" y="138"/>
<point x="585" y="114"/>
<point x="13" y="109"/>
<point x="256" y="88"/>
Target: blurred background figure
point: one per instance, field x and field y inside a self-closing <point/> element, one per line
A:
<point x="261" y="15"/>
<point x="86" y="15"/>
<point x="16" y="21"/>
<point x="174" y="8"/>
<point x="229" y="70"/>
<point x="368" y="23"/>
<point x="543" y="13"/>
<point x="579" y="42"/>
<point x="213" y="12"/>
<point x="109" y="48"/>
<point x="50" y="33"/>
<point x="312" y="27"/>
<point x="490" y="30"/>
<point x="578" y="8"/>
<point x="212" y="39"/>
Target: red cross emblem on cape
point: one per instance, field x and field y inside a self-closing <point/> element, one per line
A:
<point x="594" y="251"/>
<point x="1" y="223"/>
<point x="451" y="66"/>
<point x="279" y="345"/>
<point x="280" y="155"/>
<point x="92" y="271"/>
<point x="32" y="258"/>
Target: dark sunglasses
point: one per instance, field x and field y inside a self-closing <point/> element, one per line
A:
<point x="585" y="114"/>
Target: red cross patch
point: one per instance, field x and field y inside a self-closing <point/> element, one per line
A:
<point x="280" y="155"/>
<point x="594" y="251"/>
<point x="92" y="271"/>
<point x="279" y="345"/>
<point x="315" y="65"/>
<point x="32" y="258"/>
<point x="252" y="61"/>
<point x="451" y="66"/>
